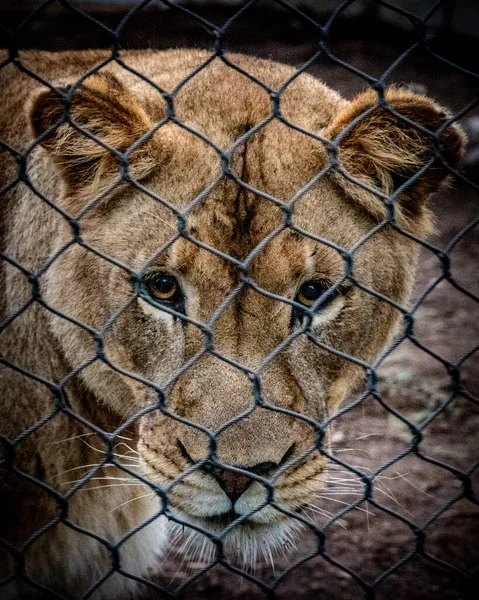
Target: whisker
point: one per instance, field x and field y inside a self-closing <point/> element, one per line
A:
<point x="195" y="558"/>
<point x="132" y="458"/>
<point x="128" y="447"/>
<point x="172" y="542"/>
<point x="82" y="435"/>
<point x="74" y="437"/>
<point x="359" y="468"/>
<point x="366" y="435"/>
<point x="327" y="514"/>
<point x="352" y="450"/>
<point x="392" y="497"/>
<point x="346" y="484"/>
<point x="133" y="499"/>
<point x="401" y="476"/>
<point x="92" y="447"/>
<point x="99" y="464"/>
<point x="321" y="511"/>
<point x="376" y="480"/>
<point x="390" y="477"/>
<point x="183" y="552"/>
<point x="100" y="487"/>
<point x="101" y="479"/>
<point x="268" y="556"/>
<point x="129" y="456"/>
<point x="86" y="467"/>
<point x="342" y="492"/>
<point x="346" y="503"/>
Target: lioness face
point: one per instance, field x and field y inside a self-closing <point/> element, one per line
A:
<point x="227" y="312"/>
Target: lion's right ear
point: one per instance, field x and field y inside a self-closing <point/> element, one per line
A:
<point x="104" y="108"/>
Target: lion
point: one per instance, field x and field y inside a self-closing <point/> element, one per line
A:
<point x="198" y="271"/>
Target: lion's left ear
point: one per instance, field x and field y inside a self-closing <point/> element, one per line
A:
<point x="383" y="151"/>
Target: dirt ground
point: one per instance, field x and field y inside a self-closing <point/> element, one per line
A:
<point x="419" y="490"/>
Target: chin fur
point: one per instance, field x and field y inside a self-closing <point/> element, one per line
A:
<point x="246" y="545"/>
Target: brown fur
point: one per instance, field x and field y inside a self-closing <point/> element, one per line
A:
<point x="134" y="228"/>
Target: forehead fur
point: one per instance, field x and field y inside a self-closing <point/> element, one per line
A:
<point x="273" y="167"/>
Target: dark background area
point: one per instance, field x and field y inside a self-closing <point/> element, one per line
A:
<point x="370" y="38"/>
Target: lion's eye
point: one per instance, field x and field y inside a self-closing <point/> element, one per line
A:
<point x="310" y="291"/>
<point x="163" y="286"/>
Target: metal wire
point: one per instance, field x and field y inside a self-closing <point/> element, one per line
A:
<point x="109" y="439"/>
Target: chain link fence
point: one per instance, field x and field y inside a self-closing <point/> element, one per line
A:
<point x="116" y="441"/>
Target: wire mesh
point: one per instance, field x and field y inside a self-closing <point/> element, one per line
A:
<point x="112" y="439"/>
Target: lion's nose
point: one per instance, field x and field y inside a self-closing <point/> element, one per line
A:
<point x="234" y="483"/>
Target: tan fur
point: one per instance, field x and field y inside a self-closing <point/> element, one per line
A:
<point x="121" y="220"/>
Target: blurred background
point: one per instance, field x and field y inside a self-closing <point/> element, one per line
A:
<point x="366" y="38"/>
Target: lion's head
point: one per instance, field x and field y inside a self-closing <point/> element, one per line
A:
<point x="239" y="284"/>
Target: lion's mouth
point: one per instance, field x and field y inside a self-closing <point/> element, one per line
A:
<point x="217" y="524"/>
<point x="224" y="520"/>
